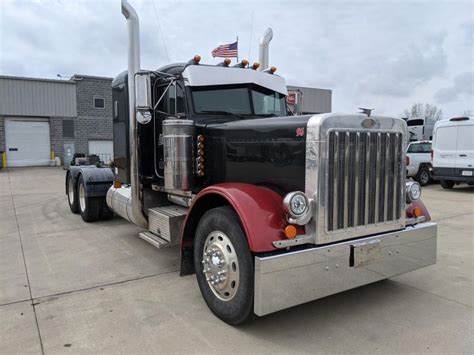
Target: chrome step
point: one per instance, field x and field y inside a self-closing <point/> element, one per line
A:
<point x="166" y="222"/>
<point x="153" y="239"/>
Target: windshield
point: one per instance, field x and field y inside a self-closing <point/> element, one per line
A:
<point x="245" y="100"/>
<point x="267" y="102"/>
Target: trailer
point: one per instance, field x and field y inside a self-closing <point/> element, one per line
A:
<point x="270" y="210"/>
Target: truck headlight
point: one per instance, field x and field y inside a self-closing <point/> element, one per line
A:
<point x="412" y="191"/>
<point x="297" y="205"/>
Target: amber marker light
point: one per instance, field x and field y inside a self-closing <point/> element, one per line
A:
<point x="255" y="66"/>
<point x="117" y="184"/>
<point x="273" y="70"/>
<point x="417" y="212"/>
<point x="244" y="62"/>
<point x="290" y="231"/>
<point x="197" y="58"/>
<point x="227" y="61"/>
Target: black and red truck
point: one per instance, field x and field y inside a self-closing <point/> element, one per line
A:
<point x="271" y="210"/>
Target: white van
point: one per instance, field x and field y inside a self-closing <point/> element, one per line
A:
<point x="452" y="152"/>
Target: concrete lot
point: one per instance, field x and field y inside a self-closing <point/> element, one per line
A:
<point x="71" y="287"/>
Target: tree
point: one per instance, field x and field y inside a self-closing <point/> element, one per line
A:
<point x="420" y="110"/>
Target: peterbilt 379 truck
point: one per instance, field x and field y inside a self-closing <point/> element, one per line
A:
<point x="270" y="210"/>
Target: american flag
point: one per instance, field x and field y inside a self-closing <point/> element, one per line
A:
<point x="226" y="51"/>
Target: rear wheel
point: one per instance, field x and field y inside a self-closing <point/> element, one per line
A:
<point x="423" y="176"/>
<point x="72" y="195"/>
<point x="224" y="266"/>
<point x="89" y="207"/>
<point x="447" y="184"/>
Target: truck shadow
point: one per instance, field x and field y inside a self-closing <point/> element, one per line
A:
<point x="367" y="306"/>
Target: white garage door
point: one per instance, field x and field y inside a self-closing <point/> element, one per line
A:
<point x="27" y="142"/>
<point x="104" y="149"/>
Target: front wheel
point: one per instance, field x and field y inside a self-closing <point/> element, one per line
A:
<point x="224" y="266"/>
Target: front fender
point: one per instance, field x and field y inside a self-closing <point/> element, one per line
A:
<point x="258" y="208"/>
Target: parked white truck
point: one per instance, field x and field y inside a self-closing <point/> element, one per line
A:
<point x="453" y="151"/>
<point x="418" y="161"/>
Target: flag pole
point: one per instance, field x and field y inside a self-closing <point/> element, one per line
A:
<point x="237" y="49"/>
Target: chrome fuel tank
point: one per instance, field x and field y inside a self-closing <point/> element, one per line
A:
<point x="178" y="144"/>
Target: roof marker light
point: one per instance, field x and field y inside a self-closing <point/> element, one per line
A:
<point x="196" y="59"/>
<point x="255" y="66"/>
<point x="271" y="70"/>
<point x="225" y="63"/>
<point x="243" y="64"/>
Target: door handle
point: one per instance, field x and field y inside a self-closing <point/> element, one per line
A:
<point x="13" y="149"/>
<point x="462" y="155"/>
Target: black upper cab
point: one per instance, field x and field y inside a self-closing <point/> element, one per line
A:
<point x="249" y="136"/>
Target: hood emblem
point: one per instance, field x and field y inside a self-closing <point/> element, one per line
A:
<point x="300" y="132"/>
<point x="368" y="123"/>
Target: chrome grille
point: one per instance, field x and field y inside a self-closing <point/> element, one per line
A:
<point x="364" y="178"/>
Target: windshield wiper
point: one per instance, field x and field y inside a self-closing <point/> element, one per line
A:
<point x="223" y="113"/>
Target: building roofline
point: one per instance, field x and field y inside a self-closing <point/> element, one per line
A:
<point x="81" y="76"/>
<point x="11" y="77"/>
<point x="307" y="87"/>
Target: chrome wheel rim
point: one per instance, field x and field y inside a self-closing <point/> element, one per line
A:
<point x="82" y="197"/>
<point x="220" y="265"/>
<point x="70" y="191"/>
<point x="424" y="177"/>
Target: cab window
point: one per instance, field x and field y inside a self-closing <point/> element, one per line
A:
<point x="419" y="148"/>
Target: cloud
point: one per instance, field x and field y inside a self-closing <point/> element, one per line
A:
<point x="463" y="84"/>
<point x="398" y="74"/>
<point x="384" y="54"/>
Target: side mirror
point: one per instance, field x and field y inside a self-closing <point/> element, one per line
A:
<point x="143" y="103"/>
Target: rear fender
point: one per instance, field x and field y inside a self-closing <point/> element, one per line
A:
<point x="259" y="209"/>
<point x="97" y="180"/>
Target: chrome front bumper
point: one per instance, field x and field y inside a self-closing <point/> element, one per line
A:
<point x="289" y="279"/>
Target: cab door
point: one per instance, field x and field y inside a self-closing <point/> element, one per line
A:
<point x="444" y="148"/>
<point x="464" y="162"/>
<point x="172" y="105"/>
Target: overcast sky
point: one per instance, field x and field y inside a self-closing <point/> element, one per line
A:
<point x="380" y="54"/>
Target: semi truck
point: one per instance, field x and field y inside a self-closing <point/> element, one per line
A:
<point x="270" y="210"/>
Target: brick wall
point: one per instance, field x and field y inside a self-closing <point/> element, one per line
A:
<point x="92" y="123"/>
<point x="2" y="134"/>
<point x="91" y="128"/>
<point x="86" y="89"/>
<point x="56" y="135"/>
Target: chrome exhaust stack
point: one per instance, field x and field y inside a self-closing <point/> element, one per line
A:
<point x="263" y="49"/>
<point x="125" y="201"/>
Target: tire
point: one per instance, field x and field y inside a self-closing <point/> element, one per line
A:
<point x="72" y="195"/>
<point x="89" y="207"/>
<point x="231" y="299"/>
<point x="105" y="212"/>
<point x="423" y="176"/>
<point x="447" y="184"/>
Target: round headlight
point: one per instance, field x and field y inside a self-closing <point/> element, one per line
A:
<point x="413" y="191"/>
<point x="296" y="204"/>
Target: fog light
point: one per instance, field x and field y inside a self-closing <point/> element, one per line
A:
<point x="412" y="191"/>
